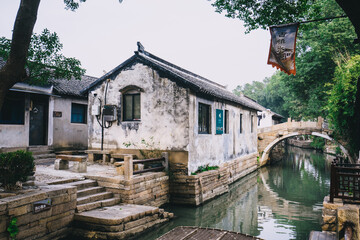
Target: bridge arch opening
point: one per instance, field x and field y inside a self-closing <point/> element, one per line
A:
<point x="264" y="157"/>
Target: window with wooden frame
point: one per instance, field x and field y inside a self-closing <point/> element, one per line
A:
<point x="131" y="106"/>
<point x="226" y="122"/>
<point x="204" y="118"/>
<point x="78" y="113"/>
<point x="13" y="109"/>
<point x="241" y="123"/>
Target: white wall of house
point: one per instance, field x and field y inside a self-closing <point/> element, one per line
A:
<point x="164" y="112"/>
<point x="266" y="119"/>
<point x="169" y="116"/>
<point x="214" y="149"/>
<point x="65" y="133"/>
<point x="16" y="135"/>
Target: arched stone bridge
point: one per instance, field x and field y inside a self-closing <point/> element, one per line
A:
<point x="268" y="137"/>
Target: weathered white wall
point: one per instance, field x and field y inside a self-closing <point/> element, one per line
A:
<point x="64" y="133"/>
<point x="16" y="135"/>
<point x="267" y="121"/>
<point x="214" y="149"/>
<point x="164" y="112"/>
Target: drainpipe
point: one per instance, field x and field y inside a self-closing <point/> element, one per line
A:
<point x="102" y="116"/>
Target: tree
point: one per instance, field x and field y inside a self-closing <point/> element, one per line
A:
<point x="44" y="60"/>
<point x="261" y="14"/>
<point x="342" y="97"/>
<point x="14" y="69"/>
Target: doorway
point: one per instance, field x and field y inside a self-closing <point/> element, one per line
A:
<point x="38" y="120"/>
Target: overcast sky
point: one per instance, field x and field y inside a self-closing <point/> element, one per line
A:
<point x="189" y="33"/>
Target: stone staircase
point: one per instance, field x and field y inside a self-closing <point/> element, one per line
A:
<point x="91" y="196"/>
<point x="43" y="155"/>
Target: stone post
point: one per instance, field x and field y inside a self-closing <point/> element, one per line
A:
<point x="166" y="162"/>
<point x="128" y="164"/>
<point x="319" y="122"/>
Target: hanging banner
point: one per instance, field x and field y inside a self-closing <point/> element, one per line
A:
<point x="282" y="47"/>
<point x="219" y="121"/>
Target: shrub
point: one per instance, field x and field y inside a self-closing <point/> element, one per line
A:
<point x="14" y="167"/>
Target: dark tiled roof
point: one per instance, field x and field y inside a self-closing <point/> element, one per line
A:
<point x="71" y="87"/>
<point x="184" y="77"/>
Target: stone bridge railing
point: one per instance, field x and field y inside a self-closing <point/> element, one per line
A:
<point x="268" y="137"/>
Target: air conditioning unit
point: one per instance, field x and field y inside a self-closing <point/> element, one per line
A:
<point x="109" y="113"/>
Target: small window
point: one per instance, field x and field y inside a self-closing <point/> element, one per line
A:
<point x="204" y="118"/>
<point x="13" y="109"/>
<point x="78" y="113"/>
<point x="131" y="106"/>
<point x="226" y="122"/>
<point x="252" y="123"/>
<point x="241" y="122"/>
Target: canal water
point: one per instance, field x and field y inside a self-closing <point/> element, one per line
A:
<point x="280" y="201"/>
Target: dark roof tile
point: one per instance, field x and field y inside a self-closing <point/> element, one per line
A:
<point x="193" y="81"/>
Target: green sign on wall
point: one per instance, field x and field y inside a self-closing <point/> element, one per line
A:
<point x="219" y="121"/>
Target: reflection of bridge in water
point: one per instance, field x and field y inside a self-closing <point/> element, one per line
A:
<point x="268" y="137"/>
<point x="272" y="202"/>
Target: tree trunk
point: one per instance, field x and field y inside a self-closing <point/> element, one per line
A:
<point x="14" y="69"/>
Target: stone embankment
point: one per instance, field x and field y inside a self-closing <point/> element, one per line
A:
<point x="33" y="220"/>
<point x="197" y="189"/>
<point x="117" y="222"/>
<point x="339" y="217"/>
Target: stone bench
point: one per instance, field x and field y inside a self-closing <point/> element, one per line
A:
<point x="95" y="155"/>
<point x="62" y="162"/>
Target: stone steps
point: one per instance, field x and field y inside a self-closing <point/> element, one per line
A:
<point x="91" y="196"/>
<point x="82" y="184"/>
<point x="43" y="155"/>
<point x="118" y="222"/>
<point x="94" y="198"/>
<point x="89" y="191"/>
<point x="98" y="204"/>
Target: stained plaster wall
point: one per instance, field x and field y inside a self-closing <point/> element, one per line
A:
<point x="214" y="149"/>
<point x="65" y="133"/>
<point x="16" y="135"/>
<point x="164" y="112"/>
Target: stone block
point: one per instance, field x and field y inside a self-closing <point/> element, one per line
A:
<point x="60" y="164"/>
<point x="24" y="199"/>
<point x="14" y="212"/>
<point x="80" y="167"/>
<point x="61" y="208"/>
<point x="59" y="223"/>
<point x="346" y="215"/>
<point x="4" y="220"/>
<point x="60" y="199"/>
<point x="34" y="232"/>
<point x="3" y="206"/>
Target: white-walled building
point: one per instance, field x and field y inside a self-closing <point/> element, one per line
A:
<point x="149" y="99"/>
<point x="54" y="115"/>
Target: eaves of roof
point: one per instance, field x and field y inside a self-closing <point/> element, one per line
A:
<point x="181" y="76"/>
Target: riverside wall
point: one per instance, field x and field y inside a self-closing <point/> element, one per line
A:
<point x="199" y="188"/>
<point x="53" y="223"/>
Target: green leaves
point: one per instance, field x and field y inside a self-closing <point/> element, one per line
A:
<point x="304" y="96"/>
<point x="342" y="98"/>
<point x="13" y="229"/>
<point x="14" y="167"/>
<point x="73" y="4"/>
<point x="45" y="60"/>
<point x="261" y="14"/>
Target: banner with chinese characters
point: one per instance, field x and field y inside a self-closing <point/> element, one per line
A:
<point x="282" y="47"/>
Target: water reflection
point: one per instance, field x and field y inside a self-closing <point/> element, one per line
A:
<point x="282" y="201"/>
